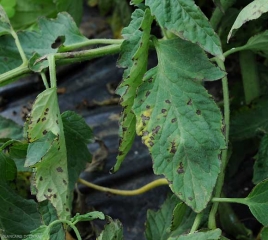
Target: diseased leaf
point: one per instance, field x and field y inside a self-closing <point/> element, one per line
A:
<point x="77" y="135"/>
<point x="248" y="122"/>
<point x="18" y="216"/>
<point x="8" y="170"/>
<point x="252" y="11"/>
<point x="209" y="235"/>
<point x="261" y="164"/>
<point x="41" y="42"/>
<point x="51" y="173"/>
<point x="134" y="57"/>
<point x="10" y="129"/>
<point x="112" y="231"/>
<point x="180" y="123"/>
<point x="40" y="232"/>
<point x="187" y="21"/>
<point x="88" y="216"/>
<point x="257" y="202"/>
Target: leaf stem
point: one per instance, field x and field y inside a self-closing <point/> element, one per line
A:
<point x="69" y="224"/>
<point x="11" y="75"/>
<point x="89" y="43"/>
<point x="71" y="57"/>
<point x="229" y="200"/>
<point x="146" y="188"/>
<point x="250" y="75"/>
<point x="52" y="70"/>
<point x="197" y="222"/>
<point x="44" y="78"/>
<point x="21" y="52"/>
<point x="220" y="181"/>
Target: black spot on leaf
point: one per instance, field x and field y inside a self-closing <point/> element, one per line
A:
<point x="167" y="101"/>
<point x="44" y="119"/>
<point x="38" y="120"/>
<point x="59" y="169"/>
<point x="41" y="179"/>
<point x="147" y="93"/>
<point x="64" y="181"/>
<point x="55" y="195"/>
<point x="163" y="110"/>
<point x="44" y="132"/>
<point x="156" y="130"/>
<point x="198" y="112"/>
<point x="190" y="198"/>
<point x="189" y="102"/>
<point x="173" y="147"/>
<point x="49" y="190"/>
<point x="147" y="107"/>
<point x="173" y="120"/>
<point x="180" y="169"/>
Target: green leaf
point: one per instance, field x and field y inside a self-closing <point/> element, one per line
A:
<point x="134" y="57"/>
<point x="264" y="233"/>
<point x="112" y="231"/>
<point x="187" y="21"/>
<point x="252" y="11"/>
<point x="18" y="216"/>
<point x="5" y="27"/>
<point x="135" y="1"/>
<point x="258" y="43"/>
<point x="261" y="164"/>
<point x="10" y="129"/>
<point x="39" y="233"/>
<point x="257" y="202"/>
<point x="49" y="214"/>
<point x="209" y="235"/>
<point x="8" y="170"/>
<point x="41" y="42"/>
<point x="180" y="123"/>
<point x="248" y="122"/>
<point x="77" y="135"/>
<point x="159" y="224"/>
<point x="9" y="5"/>
<point x="88" y="217"/>
<point x="74" y="8"/>
<point x="51" y="172"/>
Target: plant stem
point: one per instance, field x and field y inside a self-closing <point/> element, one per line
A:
<point x="79" y="56"/>
<point x="52" y="70"/>
<point x="69" y="223"/>
<point x="250" y="75"/>
<point x="17" y="42"/>
<point x="197" y="222"/>
<point x="220" y="181"/>
<point x="229" y="200"/>
<point x="147" y="187"/>
<point x="89" y="43"/>
<point x="219" y="13"/>
<point x="44" y="78"/>
<point x="13" y="74"/>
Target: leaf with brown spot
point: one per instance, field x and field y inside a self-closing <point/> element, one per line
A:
<point x="186" y="150"/>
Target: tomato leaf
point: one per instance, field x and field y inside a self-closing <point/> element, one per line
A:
<point x="257" y="202"/>
<point x="51" y="173"/>
<point x="180" y="123"/>
<point x="134" y="57"/>
<point x="187" y="21"/>
<point x="252" y="11"/>
<point x="209" y="235"/>
<point x="261" y="164"/>
<point x="88" y="216"/>
<point x="112" y="231"/>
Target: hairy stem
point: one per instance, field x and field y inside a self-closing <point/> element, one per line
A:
<point x="90" y="42"/>
<point x="220" y="181"/>
<point x="146" y="188"/>
<point x="250" y="75"/>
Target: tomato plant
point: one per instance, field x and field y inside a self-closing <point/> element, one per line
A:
<point x="191" y="137"/>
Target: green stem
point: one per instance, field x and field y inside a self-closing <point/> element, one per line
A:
<point x="220" y="181"/>
<point x="13" y="74"/>
<point x="250" y="75"/>
<point x="89" y="43"/>
<point x="197" y="222"/>
<point x="219" y="13"/>
<point x="229" y="200"/>
<point x="17" y="42"/>
<point x="69" y="224"/>
<point x="52" y="70"/>
<point x="44" y="78"/>
<point x="79" y="56"/>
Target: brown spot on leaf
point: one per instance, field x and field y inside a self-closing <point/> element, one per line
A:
<point x="163" y="110"/>
<point x="151" y="143"/>
<point x="59" y="169"/>
<point x="180" y="169"/>
<point x="64" y="181"/>
<point x="148" y="107"/>
<point x="41" y="178"/>
<point x="147" y="93"/>
<point x="198" y="112"/>
<point x="44" y="119"/>
<point x="67" y="209"/>
<point x="44" y="132"/>
<point x="49" y="190"/>
<point x="150" y="80"/>
<point x="145" y="133"/>
<point x="144" y="118"/>
<point x="189" y="102"/>
<point x="167" y="101"/>
<point x="173" y="120"/>
<point x="55" y="195"/>
<point x="173" y="147"/>
<point x="156" y="130"/>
